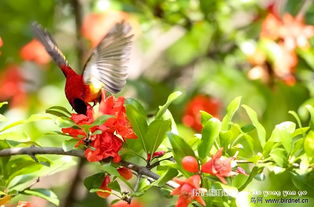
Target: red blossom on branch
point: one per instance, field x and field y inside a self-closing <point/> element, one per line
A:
<point x="156" y="155"/>
<point x="104" y="186"/>
<point x="192" y="115"/>
<point x="125" y="172"/>
<point x="103" y="141"/>
<point x="119" y="122"/>
<point x="220" y="167"/>
<point x="187" y="191"/>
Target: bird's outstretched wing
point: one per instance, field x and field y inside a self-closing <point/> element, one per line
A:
<point x="45" y="38"/>
<point x="106" y="65"/>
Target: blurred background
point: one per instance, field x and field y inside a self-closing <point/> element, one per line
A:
<point x="211" y="50"/>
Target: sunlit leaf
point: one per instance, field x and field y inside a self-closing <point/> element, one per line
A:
<point x="172" y="97"/>
<point x="43" y="193"/>
<point x="210" y="133"/>
<point x="261" y="132"/>
<point x="231" y="109"/>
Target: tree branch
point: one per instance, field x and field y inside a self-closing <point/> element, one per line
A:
<point x="77" y="153"/>
<point x="40" y="150"/>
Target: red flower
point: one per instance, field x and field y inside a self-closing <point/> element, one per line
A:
<point x="156" y="154"/>
<point x="35" y="51"/>
<point x="24" y="204"/>
<point x="104" y="186"/>
<point x="82" y="119"/>
<point x="192" y="116"/>
<point x="96" y="26"/>
<point x="102" y="146"/>
<point x="125" y="172"/>
<point x="11" y="86"/>
<point x="119" y="123"/>
<point x="134" y="203"/>
<point x="186" y="191"/>
<point x="219" y="166"/>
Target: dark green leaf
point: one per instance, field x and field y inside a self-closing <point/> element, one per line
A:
<point x="138" y="122"/>
<point x="155" y="134"/>
<point x="94" y="181"/>
<point x="180" y="147"/>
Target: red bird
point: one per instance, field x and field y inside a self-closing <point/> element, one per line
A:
<point x="105" y="68"/>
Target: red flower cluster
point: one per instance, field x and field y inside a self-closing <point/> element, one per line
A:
<point x="192" y="116"/>
<point x="221" y="167"/>
<point x="35" y="51"/>
<point x="282" y="36"/>
<point x="103" y="141"/>
<point x="187" y="191"/>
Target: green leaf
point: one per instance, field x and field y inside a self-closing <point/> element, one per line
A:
<point x="297" y="118"/>
<point x="94" y="181"/>
<point x="180" y="147"/>
<point x="43" y="193"/>
<point x="171" y="173"/>
<point x="279" y="155"/>
<point x="173" y="96"/>
<point x="261" y="132"/>
<point x="309" y="144"/>
<point x="139" y="124"/>
<point x="114" y="185"/>
<point x="210" y="133"/>
<point x="311" y="110"/>
<point x="231" y="109"/>
<point x="283" y="133"/>
<point x="57" y="113"/>
<point x="155" y="134"/>
<point x="256" y="170"/>
<point x="60" y="108"/>
<point x="69" y="144"/>
<point x="205" y="117"/>
<point x="3" y="103"/>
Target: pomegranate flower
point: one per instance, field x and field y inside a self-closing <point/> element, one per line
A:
<point x="220" y="167"/>
<point x="155" y="155"/>
<point x="119" y="122"/>
<point x="104" y="186"/>
<point x="192" y="116"/>
<point x="186" y="191"/>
